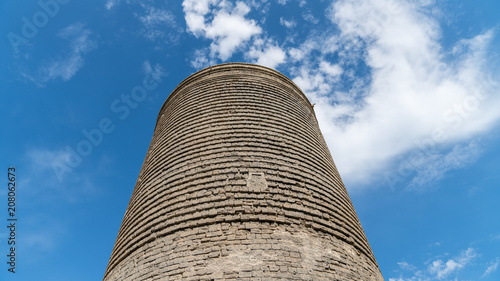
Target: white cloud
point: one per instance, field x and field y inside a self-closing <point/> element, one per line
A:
<point x="287" y="23"/>
<point x="426" y="165"/>
<point x="308" y="16"/>
<point x="68" y="65"/>
<point x="315" y="83"/>
<point x="228" y="29"/>
<point x="47" y="163"/>
<point x="413" y="96"/>
<point x="111" y="3"/>
<point x="296" y="54"/>
<point x="156" y="23"/>
<point x="195" y="12"/>
<point x="52" y="173"/>
<point x="201" y="59"/>
<point x="42" y="160"/>
<point x="406" y="266"/>
<point x="407" y="279"/>
<point x="435" y="244"/>
<point x="329" y="69"/>
<point x="325" y="42"/>
<point x="267" y="54"/>
<point x="437" y="269"/>
<point x="155" y="70"/>
<point x="41" y="234"/>
<point x="492" y="267"/>
<point x="441" y="270"/>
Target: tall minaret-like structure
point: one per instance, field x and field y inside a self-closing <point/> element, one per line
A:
<point x="238" y="184"/>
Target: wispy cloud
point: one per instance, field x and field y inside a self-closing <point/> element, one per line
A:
<point x="158" y="24"/>
<point x="437" y="269"/>
<point x="492" y="267"/>
<point x="70" y="59"/>
<point x="201" y="59"/>
<point x="432" y="165"/>
<point x="41" y="236"/>
<point x="406" y="266"/>
<point x="41" y="160"/>
<point x="67" y="66"/>
<point x="111" y="3"/>
<point x="287" y="23"/>
<point x="308" y="16"/>
<point x="155" y="70"/>
<point x="49" y="177"/>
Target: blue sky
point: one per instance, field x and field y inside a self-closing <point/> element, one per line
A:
<point x="406" y="93"/>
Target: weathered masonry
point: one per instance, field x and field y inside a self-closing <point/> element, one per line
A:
<point x="238" y="184"/>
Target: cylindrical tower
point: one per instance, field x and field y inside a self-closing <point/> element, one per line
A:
<point x="238" y="184"/>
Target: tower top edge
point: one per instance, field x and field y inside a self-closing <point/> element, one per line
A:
<point x="233" y="66"/>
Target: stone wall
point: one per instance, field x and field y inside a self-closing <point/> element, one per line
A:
<point x="238" y="184"/>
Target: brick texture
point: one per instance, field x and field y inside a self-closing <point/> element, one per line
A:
<point x="238" y="184"/>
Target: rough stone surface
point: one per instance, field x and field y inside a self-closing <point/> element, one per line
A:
<point x="238" y="184"/>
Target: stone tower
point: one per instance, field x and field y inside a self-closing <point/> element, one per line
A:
<point x="238" y="184"/>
